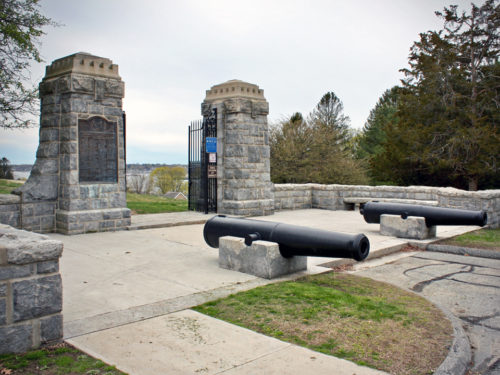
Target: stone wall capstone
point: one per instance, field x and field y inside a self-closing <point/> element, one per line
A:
<point x="30" y="290"/>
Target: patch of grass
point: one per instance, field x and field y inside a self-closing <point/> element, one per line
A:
<point x="482" y="239"/>
<point x="7" y="186"/>
<point x="153" y="204"/>
<point x="359" y="319"/>
<point x="55" y="360"/>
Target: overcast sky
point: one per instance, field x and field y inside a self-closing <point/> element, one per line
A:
<point x="169" y="52"/>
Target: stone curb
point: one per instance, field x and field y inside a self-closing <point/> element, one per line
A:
<point x="459" y="357"/>
<point x="166" y="225"/>
<point x="481" y="253"/>
<point x="373" y="255"/>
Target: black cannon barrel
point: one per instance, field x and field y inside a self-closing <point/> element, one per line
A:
<point x="292" y="239"/>
<point x="372" y="211"/>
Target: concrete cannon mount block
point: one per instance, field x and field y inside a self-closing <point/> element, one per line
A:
<point x="262" y="258"/>
<point x="412" y="227"/>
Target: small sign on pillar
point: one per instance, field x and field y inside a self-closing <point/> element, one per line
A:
<point x="212" y="171"/>
<point x="211" y="144"/>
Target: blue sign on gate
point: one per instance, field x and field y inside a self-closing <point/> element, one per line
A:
<point x="211" y="144"/>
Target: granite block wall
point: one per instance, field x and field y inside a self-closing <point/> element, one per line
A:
<point x="487" y="200"/>
<point x="33" y="216"/>
<point x="9" y="210"/>
<point x="338" y="197"/>
<point x="30" y="290"/>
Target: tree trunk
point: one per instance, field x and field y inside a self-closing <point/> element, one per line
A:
<point x="472" y="183"/>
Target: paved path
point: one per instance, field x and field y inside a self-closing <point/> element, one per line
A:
<point x="127" y="294"/>
<point x="469" y="287"/>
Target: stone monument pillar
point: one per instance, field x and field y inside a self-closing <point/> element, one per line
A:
<point x="80" y="161"/>
<point x="243" y="157"/>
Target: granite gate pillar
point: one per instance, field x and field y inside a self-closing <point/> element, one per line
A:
<point x="243" y="156"/>
<point x="80" y="163"/>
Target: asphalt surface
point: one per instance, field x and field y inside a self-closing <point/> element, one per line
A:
<point x="468" y="287"/>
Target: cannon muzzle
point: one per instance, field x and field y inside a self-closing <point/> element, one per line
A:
<point x="293" y="240"/>
<point x="372" y="211"/>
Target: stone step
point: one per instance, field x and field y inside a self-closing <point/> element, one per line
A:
<point x="361" y="200"/>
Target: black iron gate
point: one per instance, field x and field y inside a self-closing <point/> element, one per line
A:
<point x="202" y="168"/>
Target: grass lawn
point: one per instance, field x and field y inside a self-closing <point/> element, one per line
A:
<point x="359" y="319"/>
<point x="153" y="204"/>
<point x="138" y="203"/>
<point x="482" y="239"/>
<point x="56" y="360"/>
<point x="6" y="186"/>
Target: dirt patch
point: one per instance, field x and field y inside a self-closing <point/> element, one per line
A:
<point x="409" y="248"/>
<point x="343" y="268"/>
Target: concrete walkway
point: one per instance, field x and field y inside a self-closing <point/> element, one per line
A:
<point x="127" y="297"/>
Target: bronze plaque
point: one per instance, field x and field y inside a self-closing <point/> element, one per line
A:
<point x="98" y="150"/>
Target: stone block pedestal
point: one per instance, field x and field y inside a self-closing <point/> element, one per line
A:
<point x="411" y="227"/>
<point x="262" y="258"/>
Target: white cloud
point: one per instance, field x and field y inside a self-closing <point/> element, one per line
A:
<point x="158" y="119"/>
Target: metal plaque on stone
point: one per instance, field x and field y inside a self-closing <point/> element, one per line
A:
<point x="98" y="150"/>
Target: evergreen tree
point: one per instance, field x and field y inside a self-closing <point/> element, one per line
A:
<point x="6" y="169"/>
<point x="290" y="143"/>
<point x="448" y="130"/>
<point x="328" y="115"/>
<point x="372" y="139"/>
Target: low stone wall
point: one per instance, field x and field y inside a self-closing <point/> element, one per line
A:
<point x="487" y="200"/>
<point x="38" y="216"/>
<point x="293" y="196"/>
<point x="30" y="290"/>
<point x="76" y="222"/>
<point x="334" y="197"/>
<point x="44" y="217"/>
<point x="33" y="216"/>
<point x="9" y="210"/>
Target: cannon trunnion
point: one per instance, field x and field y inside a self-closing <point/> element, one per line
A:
<point x="293" y="240"/>
<point x="372" y="211"/>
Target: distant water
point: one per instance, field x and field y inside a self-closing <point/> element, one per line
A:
<point x="19" y="175"/>
<point x="25" y="174"/>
